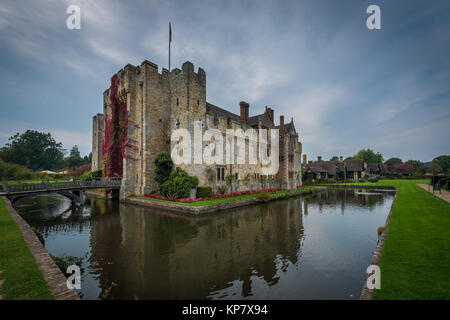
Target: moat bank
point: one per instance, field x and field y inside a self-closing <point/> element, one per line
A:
<point x="307" y="247"/>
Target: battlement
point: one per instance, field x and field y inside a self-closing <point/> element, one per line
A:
<point x="186" y="72"/>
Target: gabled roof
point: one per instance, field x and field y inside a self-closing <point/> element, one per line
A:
<point x="340" y="166"/>
<point x="354" y="165"/>
<point x="372" y="167"/>
<point x="329" y="166"/>
<point x="266" y="121"/>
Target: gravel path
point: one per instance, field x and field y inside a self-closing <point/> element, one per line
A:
<point x="443" y="194"/>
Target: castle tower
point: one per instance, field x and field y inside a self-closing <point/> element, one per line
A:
<point x="98" y="129"/>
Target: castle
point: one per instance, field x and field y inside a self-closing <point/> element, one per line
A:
<point x="141" y="109"/>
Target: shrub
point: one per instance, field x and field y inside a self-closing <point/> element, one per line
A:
<point x="92" y="175"/>
<point x="264" y="197"/>
<point x="221" y="189"/>
<point x="42" y="175"/>
<point x="163" y="168"/>
<point x="203" y="192"/>
<point x="380" y="230"/>
<point x="80" y="170"/>
<point x="179" y="184"/>
<point x="12" y="171"/>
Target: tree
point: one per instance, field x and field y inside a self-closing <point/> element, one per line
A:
<point x="419" y="167"/>
<point x="436" y="168"/>
<point x="392" y="161"/>
<point x="369" y="156"/>
<point x="35" y="150"/>
<point x="443" y="162"/>
<point x="74" y="159"/>
<point x="179" y="184"/>
<point x="163" y="167"/>
<point x="335" y="158"/>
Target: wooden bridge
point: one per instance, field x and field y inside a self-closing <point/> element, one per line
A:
<point x="74" y="189"/>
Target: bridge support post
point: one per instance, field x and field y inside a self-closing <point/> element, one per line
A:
<point x="78" y="197"/>
<point x="115" y="194"/>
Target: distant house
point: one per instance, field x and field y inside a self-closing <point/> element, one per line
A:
<point x="404" y="169"/>
<point x="315" y="170"/>
<point x="341" y="170"/>
<point x="378" y="169"/>
<point x="354" y="169"/>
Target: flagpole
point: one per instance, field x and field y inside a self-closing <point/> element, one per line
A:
<point x="170" y="40"/>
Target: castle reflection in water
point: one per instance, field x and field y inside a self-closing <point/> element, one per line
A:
<point x="316" y="246"/>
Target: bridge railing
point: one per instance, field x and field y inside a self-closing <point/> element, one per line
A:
<point x="74" y="184"/>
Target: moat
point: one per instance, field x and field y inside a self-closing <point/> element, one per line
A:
<point x="310" y="247"/>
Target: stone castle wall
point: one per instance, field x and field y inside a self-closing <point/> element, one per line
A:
<point x="98" y="129"/>
<point x="158" y="103"/>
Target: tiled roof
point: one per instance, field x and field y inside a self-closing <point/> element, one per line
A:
<point x="219" y="112"/>
<point x="354" y="165"/>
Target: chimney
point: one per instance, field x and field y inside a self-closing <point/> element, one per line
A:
<point x="304" y="159"/>
<point x="281" y="124"/>
<point x="341" y="159"/>
<point x="244" y="111"/>
<point x="319" y="159"/>
<point x="271" y="116"/>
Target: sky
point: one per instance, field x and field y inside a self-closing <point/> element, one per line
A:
<point x="347" y="87"/>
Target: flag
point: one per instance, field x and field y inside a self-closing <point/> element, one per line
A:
<point x="170" y="33"/>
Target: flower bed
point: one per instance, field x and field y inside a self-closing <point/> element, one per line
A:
<point x="216" y="196"/>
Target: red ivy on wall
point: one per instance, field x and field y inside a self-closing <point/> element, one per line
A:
<point x="116" y="130"/>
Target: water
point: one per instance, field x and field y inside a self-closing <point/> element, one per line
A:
<point x="312" y="247"/>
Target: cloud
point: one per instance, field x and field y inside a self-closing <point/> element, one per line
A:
<point x="345" y="86"/>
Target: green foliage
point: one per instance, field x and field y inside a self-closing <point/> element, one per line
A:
<point x="204" y="191"/>
<point x="392" y="161"/>
<point x="74" y="159"/>
<point x="221" y="189"/>
<point x="443" y="162"/>
<point x="436" y="168"/>
<point x="230" y="178"/>
<point x="64" y="262"/>
<point x="419" y="167"/>
<point x="369" y="156"/>
<point x="12" y="171"/>
<point x="42" y="175"/>
<point x="92" y="175"/>
<point x="163" y="168"/>
<point x="35" y="150"/>
<point x="264" y="197"/>
<point x="335" y="158"/>
<point x="179" y="184"/>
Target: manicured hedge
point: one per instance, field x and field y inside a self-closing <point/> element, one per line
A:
<point x="204" y="191"/>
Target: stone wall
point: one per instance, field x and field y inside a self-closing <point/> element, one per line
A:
<point x="98" y="131"/>
<point x="158" y="103"/>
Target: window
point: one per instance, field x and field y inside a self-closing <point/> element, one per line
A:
<point x="220" y="174"/>
<point x="236" y="176"/>
<point x="178" y="102"/>
<point x="178" y="124"/>
<point x="198" y="102"/>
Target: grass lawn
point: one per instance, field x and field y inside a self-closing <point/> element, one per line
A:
<point x="36" y="181"/>
<point x="23" y="278"/>
<point x="415" y="262"/>
<point x="229" y="199"/>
